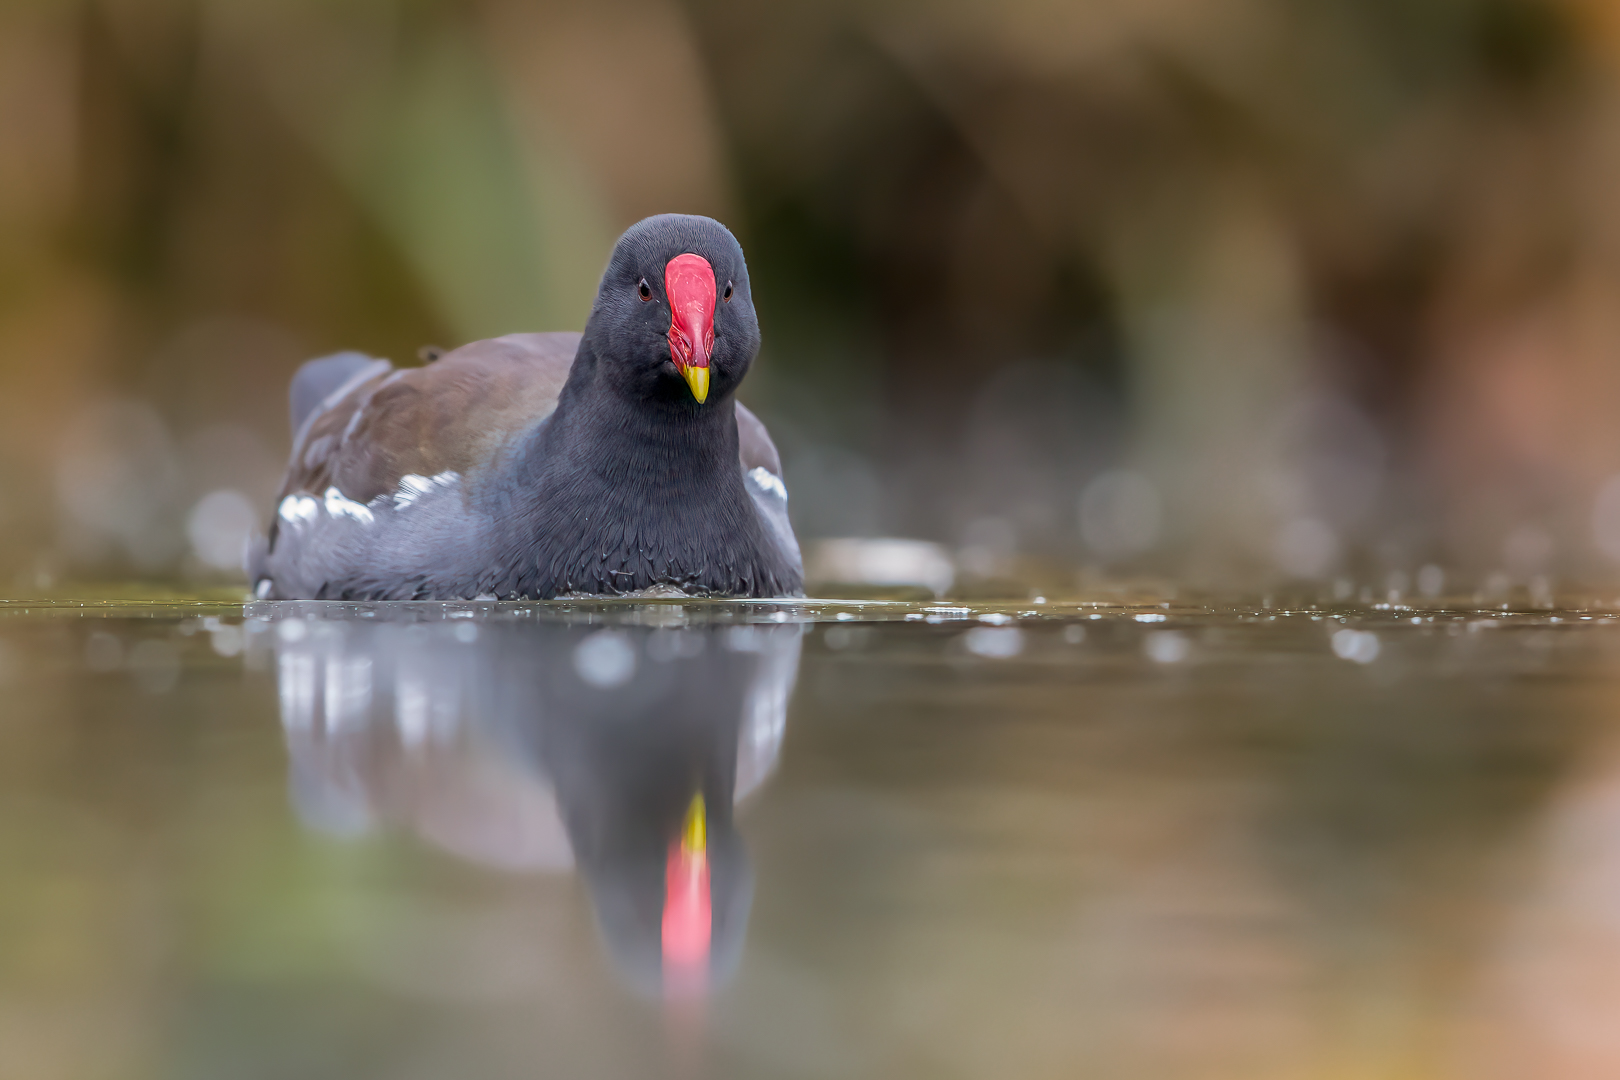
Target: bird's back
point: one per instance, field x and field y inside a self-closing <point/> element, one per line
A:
<point x="393" y="472"/>
<point x="453" y="415"/>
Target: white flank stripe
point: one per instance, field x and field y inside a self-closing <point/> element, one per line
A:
<point x="298" y="509"/>
<point x="768" y="482"/>
<point x="413" y="487"/>
<point x="338" y="505"/>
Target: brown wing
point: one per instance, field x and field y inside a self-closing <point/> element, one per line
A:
<point x="449" y="416"/>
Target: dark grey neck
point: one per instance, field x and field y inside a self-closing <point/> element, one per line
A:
<point x="657" y="447"/>
<point x="612" y="496"/>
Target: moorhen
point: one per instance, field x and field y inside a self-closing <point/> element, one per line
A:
<point x="531" y="466"/>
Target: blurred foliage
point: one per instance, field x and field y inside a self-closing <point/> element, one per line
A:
<point x="1336" y="278"/>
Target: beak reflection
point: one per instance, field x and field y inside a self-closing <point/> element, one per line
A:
<point x="688" y="914"/>
<point x="619" y="753"/>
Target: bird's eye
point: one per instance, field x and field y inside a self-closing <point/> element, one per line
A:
<point x="644" y="289"/>
<point x="727" y="294"/>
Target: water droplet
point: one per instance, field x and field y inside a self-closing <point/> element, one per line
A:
<point x="103" y="652"/>
<point x="226" y="640"/>
<point x="1358" y="646"/>
<point x="1166" y="647"/>
<point x="1306" y="548"/>
<point x="995" y="642"/>
<point x="847" y="637"/>
<point x="605" y="659"/>
<point x="155" y="665"/>
<point x="1120" y="513"/>
<point x="219" y="526"/>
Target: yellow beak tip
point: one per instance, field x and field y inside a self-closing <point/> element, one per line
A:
<point x="698" y="379"/>
<point x="695" y="829"/>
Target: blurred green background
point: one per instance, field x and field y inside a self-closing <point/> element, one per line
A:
<point x="1245" y="292"/>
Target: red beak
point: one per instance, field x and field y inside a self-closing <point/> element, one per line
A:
<point x="689" y="284"/>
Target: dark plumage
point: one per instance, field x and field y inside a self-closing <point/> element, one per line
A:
<point x="521" y="752"/>
<point x="539" y="465"/>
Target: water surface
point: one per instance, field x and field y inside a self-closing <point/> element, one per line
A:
<point x="419" y="840"/>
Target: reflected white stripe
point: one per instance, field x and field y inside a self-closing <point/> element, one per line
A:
<point x="296" y="678"/>
<point x="411" y="708"/>
<point x="348" y="692"/>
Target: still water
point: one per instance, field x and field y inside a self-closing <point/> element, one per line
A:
<point x="826" y="839"/>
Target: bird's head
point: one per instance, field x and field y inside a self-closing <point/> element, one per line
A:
<point x="674" y="318"/>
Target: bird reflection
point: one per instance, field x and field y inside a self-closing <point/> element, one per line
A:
<point x="540" y="747"/>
